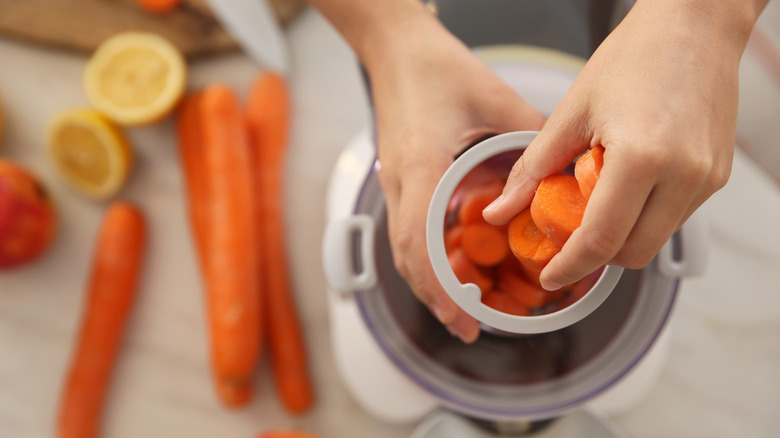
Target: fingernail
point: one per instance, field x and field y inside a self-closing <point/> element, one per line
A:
<point x="551" y="285"/>
<point x="438" y="312"/>
<point x="495" y="203"/>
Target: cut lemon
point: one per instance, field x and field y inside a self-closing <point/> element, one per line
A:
<point x="89" y="152"/>
<point x="135" y="78"/>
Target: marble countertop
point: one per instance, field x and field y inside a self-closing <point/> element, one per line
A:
<point x="722" y="378"/>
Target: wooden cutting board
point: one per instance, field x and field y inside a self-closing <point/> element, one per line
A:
<point x="83" y="24"/>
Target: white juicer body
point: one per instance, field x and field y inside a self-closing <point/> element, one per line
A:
<point x="542" y="77"/>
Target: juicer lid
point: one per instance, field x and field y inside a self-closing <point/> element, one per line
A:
<point x="468" y="296"/>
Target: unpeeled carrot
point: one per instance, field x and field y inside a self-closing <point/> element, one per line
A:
<point x="466" y="271"/>
<point x="116" y="267"/>
<point x="268" y="114"/>
<point x="190" y="140"/>
<point x="484" y="244"/>
<point x="230" y="261"/>
<point x="587" y="169"/>
<point x="532" y="247"/>
<point x="558" y="206"/>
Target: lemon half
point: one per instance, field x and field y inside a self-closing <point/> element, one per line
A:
<point x="135" y="78"/>
<point x="89" y="152"/>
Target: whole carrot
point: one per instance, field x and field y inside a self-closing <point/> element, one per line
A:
<point x="230" y="249"/>
<point x="110" y="295"/>
<point x="188" y="130"/>
<point x="268" y="118"/>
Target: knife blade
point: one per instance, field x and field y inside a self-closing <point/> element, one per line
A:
<point x="254" y="26"/>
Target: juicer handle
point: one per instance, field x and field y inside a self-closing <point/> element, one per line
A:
<point x="692" y="247"/>
<point x="345" y="270"/>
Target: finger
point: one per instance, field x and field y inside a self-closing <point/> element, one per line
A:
<point x="614" y="207"/>
<point x="659" y="219"/>
<point x="407" y="225"/>
<point x="464" y="327"/>
<point x="557" y="144"/>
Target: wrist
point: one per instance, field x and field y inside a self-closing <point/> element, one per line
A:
<point x="727" y="22"/>
<point x="376" y="30"/>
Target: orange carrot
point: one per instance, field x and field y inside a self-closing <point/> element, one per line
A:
<point x="512" y="265"/>
<point x="484" y="244"/>
<point x="269" y="119"/>
<point x="231" y="271"/>
<point x="522" y="290"/>
<point x="557" y="207"/>
<point x="504" y="302"/>
<point x="158" y="6"/>
<point x="588" y="168"/>
<point x="452" y="237"/>
<point x="188" y="129"/>
<point x="116" y="267"/>
<point x="466" y="271"/>
<point x="528" y="243"/>
<point x="475" y="200"/>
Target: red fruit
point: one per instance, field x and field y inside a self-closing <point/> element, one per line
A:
<point x="27" y="216"/>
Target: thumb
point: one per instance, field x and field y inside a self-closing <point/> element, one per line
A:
<point x="558" y="143"/>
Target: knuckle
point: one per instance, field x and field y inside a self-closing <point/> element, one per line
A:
<point x="634" y="259"/>
<point x="601" y="246"/>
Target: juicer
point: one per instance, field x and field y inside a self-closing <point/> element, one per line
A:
<point x="401" y="365"/>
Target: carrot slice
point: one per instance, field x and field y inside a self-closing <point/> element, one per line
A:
<point x="587" y="170"/>
<point x="452" y="237"/>
<point x="476" y="199"/>
<point x="531" y="247"/>
<point x="467" y="272"/>
<point x="557" y="207"/>
<point x="522" y="290"/>
<point x="512" y="265"/>
<point x="231" y="271"/>
<point x="116" y="267"/>
<point x="484" y="244"/>
<point x="504" y="302"/>
<point x="268" y="112"/>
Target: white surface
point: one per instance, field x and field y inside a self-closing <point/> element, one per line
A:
<point x="723" y="374"/>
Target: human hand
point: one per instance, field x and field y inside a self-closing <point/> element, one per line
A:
<point x="660" y="94"/>
<point x="433" y="98"/>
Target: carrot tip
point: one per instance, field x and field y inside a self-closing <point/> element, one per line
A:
<point x="234" y="393"/>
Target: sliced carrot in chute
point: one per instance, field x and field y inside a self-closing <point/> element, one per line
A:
<point x="484" y="244"/>
<point x="557" y="207"/>
<point x="531" y="247"/>
<point x="467" y="272"/>
<point x="504" y="302"/>
<point x="475" y="200"/>
<point x="522" y="290"/>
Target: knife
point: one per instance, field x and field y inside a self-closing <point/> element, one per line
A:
<point x="254" y="26"/>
